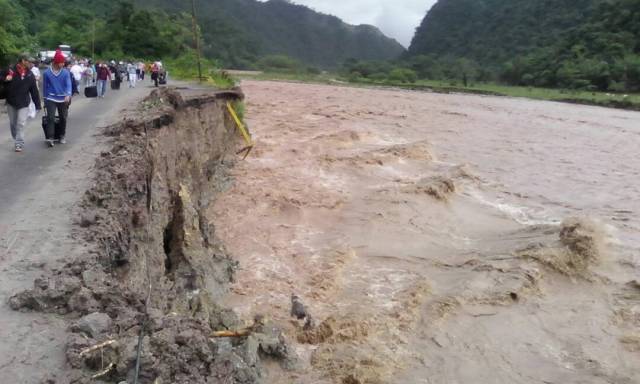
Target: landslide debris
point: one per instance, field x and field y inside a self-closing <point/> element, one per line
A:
<point x="156" y="270"/>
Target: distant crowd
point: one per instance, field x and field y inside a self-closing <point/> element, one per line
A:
<point x="60" y="80"/>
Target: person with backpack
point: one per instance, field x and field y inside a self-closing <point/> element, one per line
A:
<point x="57" y="91"/>
<point x="19" y="88"/>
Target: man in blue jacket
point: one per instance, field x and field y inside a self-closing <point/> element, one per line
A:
<point x="56" y="90"/>
<point x="20" y="87"/>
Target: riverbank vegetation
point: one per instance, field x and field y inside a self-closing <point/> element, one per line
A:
<point x="629" y="101"/>
<point x="582" y="45"/>
<point x="236" y="34"/>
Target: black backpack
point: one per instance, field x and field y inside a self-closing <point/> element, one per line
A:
<point x="3" y="86"/>
<point x="3" y="91"/>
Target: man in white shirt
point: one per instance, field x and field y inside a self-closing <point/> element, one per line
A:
<point x="133" y="76"/>
<point x="36" y="72"/>
<point x="76" y="72"/>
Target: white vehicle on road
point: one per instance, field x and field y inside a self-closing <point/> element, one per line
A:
<point x="48" y="55"/>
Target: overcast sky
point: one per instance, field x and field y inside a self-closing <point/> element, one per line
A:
<point x="396" y="18"/>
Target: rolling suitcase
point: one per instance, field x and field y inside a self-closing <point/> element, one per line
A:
<point x="45" y="119"/>
<point x="115" y="84"/>
<point x="91" y="91"/>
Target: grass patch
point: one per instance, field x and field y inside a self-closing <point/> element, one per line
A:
<point x="239" y="107"/>
<point x="185" y="68"/>
<point x="611" y="100"/>
<point x="320" y="78"/>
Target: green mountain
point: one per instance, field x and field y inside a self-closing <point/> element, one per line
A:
<point x="239" y="31"/>
<point x="492" y="32"/>
<point x="591" y="44"/>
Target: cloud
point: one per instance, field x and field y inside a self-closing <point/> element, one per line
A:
<point x="397" y="19"/>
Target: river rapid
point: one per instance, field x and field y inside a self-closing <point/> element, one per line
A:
<point x="439" y="238"/>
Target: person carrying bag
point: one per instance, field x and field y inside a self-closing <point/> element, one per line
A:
<point x="19" y="85"/>
<point x="57" y="91"/>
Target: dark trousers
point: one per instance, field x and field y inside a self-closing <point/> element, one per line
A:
<point x="56" y="132"/>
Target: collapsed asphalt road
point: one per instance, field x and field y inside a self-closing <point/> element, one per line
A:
<point x="38" y="189"/>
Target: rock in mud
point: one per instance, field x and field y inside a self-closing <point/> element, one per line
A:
<point x="47" y="295"/>
<point x="83" y="302"/>
<point x="93" y="325"/>
<point x="272" y="343"/>
<point x="25" y="300"/>
<point x="88" y="219"/>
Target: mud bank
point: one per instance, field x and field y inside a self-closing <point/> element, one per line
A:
<point x="148" y="291"/>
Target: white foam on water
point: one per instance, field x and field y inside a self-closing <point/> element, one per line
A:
<point x="521" y="214"/>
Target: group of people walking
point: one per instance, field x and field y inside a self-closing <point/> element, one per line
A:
<point x="20" y="88"/>
<point x="19" y="85"/>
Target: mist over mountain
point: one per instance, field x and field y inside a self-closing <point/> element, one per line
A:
<point x="239" y="31"/>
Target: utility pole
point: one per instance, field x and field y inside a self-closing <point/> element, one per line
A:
<point x="196" y="40"/>
<point x="93" y="39"/>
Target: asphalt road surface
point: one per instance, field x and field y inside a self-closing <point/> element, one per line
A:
<point x="39" y="190"/>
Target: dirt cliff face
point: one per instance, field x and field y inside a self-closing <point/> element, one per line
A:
<point x="157" y="270"/>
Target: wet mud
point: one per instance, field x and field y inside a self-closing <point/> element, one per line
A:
<point x="147" y="296"/>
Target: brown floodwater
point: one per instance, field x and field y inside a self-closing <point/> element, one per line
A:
<point x="439" y="238"/>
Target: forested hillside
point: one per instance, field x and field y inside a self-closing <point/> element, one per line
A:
<point x="493" y="31"/>
<point x="240" y="30"/>
<point x="589" y="44"/>
<point x="235" y="32"/>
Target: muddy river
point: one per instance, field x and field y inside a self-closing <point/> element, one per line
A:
<point x="439" y="238"/>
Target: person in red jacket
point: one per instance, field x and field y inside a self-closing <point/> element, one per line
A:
<point x="103" y="75"/>
<point x="21" y="89"/>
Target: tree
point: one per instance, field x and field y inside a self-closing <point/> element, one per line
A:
<point x="13" y="36"/>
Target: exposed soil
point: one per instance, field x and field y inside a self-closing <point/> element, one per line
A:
<point x="155" y="270"/>
<point x="421" y="238"/>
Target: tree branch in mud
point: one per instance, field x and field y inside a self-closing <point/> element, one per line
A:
<point x="229" y="333"/>
<point x="98" y="346"/>
<point x="104" y="371"/>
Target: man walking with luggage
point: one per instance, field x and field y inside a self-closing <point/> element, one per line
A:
<point x="57" y="95"/>
<point x="21" y="89"/>
<point x="103" y="75"/>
